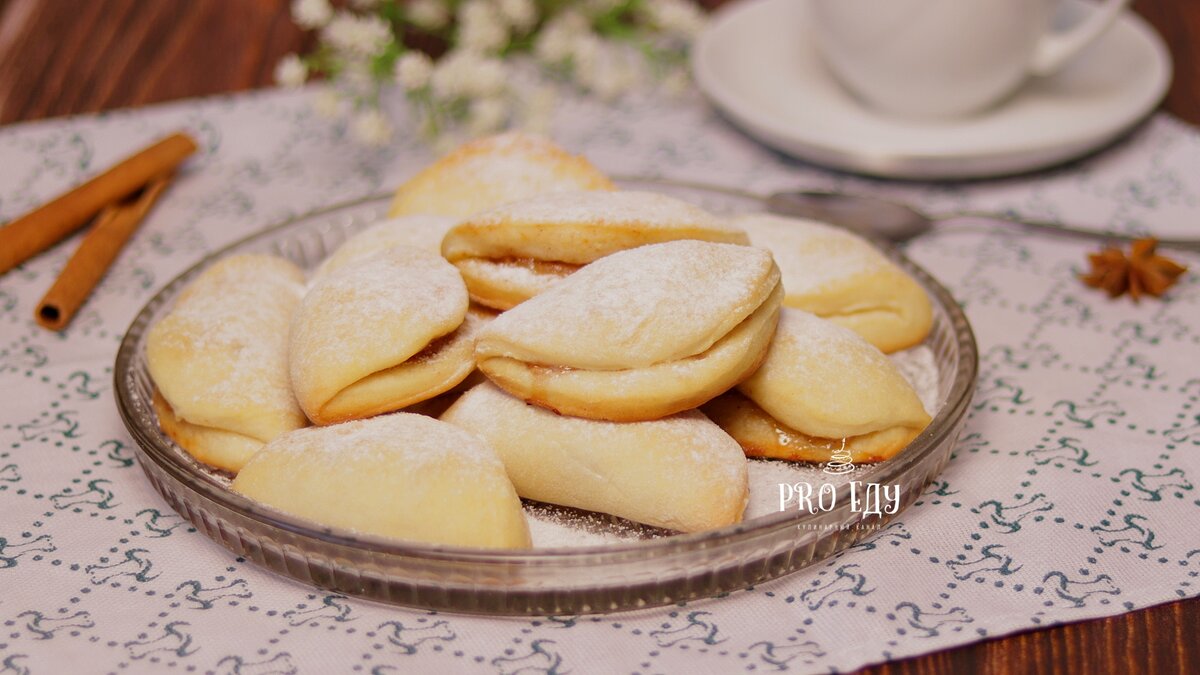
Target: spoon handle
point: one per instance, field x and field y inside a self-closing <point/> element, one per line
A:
<point x="1192" y="245"/>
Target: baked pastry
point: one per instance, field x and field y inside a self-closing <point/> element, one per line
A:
<point x="423" y="231"/>
<point x="840" y="276"/>
<point x="386" y="332"/>
<point x="491" y="171"/>
<point x="640" y="334"/>
<point x="513" y="252"/>
<point x="404" y="476"/>
<point x="822" y="390"/>
<point x="681" y="472"/>
<point x="219" y="360"/>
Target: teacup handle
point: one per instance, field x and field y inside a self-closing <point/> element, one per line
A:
<point x="1057" y="47"/>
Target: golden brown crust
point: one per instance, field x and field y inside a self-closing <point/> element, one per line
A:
<point x="826" y="381"/>
<point x="761" y="435"/>
<point x="842" y="277"/>
<point x="220" y="448"/>
<point x="491" y="171"/>
<point x="219" y="359"/>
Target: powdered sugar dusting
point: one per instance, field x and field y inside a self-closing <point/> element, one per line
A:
<point x="811" y="256"/>
<point x="561" y="527"/>
<point x="636" y="308"/>
<point x="391" y="303"/>
<point x="233" y="321"/>
<point x="919" y="366"/>
<point x="496" y="170"/>
<point x="833" y="347"/>
<point x="422" y="231"/>
<point x="693" y="437"/>
<point x="412" y="439"/>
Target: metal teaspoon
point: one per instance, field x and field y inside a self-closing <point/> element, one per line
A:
<point x="897" y="222"/>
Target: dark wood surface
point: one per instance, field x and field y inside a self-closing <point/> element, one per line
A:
<point x="61" y="57"/>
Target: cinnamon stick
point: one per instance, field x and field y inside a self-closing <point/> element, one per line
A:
<point x="96" y="253"/>
<point x="46" y="225"/>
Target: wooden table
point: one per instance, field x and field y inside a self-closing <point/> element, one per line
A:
<point x="61" y="57"/>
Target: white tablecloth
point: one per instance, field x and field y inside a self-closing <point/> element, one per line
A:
<point x="1072" y="493"/>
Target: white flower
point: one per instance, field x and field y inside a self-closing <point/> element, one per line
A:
<point x="680" y="17"/>
<point x="463" y="73"/>
<point x="451" y="73"/>
<point x="520" y="14"/>
<point x="487" y="115"/>
<point x="290" y="71"/>
<point x="488" y="78"/>
<point x="556" y="41"/>
<point x="363" y="36"/>
<point x="572" y="22"/>
<point x="371" y="127"/>
<point x="553" y="45"/>
<point x="311" y="13"/>
<point x="428" y="14"/>
<point x="328" y="104"/>
<point x="604" y="68"/>
<point x="482" y="36"/>
<point x="413" y="70"/>
<point x="477" y="10"/>
<point x="480" y="27"/>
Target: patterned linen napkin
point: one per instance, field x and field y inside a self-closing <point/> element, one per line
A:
<point x="1071" y="495"/>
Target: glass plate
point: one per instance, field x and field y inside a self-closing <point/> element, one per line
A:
<point x="636" y="573"/>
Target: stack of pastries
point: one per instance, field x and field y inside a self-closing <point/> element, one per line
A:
<point x="518" y="329"/>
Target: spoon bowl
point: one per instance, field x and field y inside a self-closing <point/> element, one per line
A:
<point x="867" y="216"/>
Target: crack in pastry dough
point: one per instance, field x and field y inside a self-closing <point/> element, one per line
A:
<point x="639" y="334"/>
<point x="491" y="171"/>
<point x="842" y="277"/>
<point x="680" y="472"/>
<point x="517" y="250"/>
<point x="820" y="389"/>
<point x="383" y="333"/>
<point x="218" y="359"/>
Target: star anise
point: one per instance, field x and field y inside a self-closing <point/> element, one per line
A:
<point x="1143" y="272"/>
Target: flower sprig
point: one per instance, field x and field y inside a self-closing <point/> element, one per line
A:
<point x="603" y="47"/>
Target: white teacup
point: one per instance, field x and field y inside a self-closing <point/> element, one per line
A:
<point x="945" y="58"/>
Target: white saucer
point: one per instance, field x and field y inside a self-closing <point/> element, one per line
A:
<point x="756" y="63"/>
